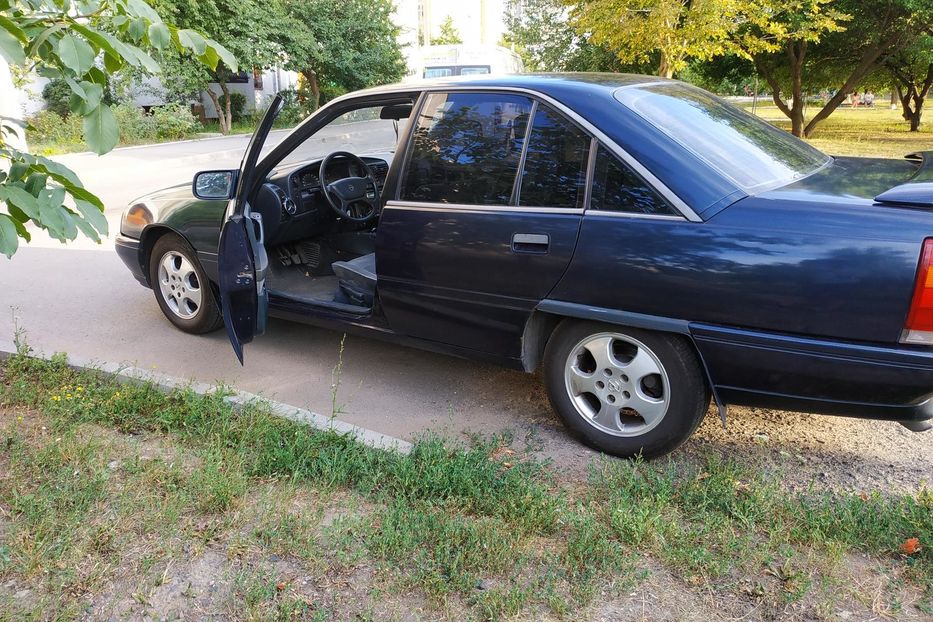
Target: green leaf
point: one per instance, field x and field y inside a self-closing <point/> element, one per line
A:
<point x="12" y="50"/>
<point x="93" y="215"/>
<point x="87" y="229"/>
<point x="10" y="26"/>
<point x="140" y="8"/>
<point x="226" y="56"/>
<point x="159" y="35"/>
<point x="112" y="62"/>
<point x="137" y="29"/>
<point x="9" y="240"/>
<point x="193" y="41"/>
<point x="91" y="100"/>
<point x="100" y="130"/>
<point x="53" y="215"/>
<point x="58" y="171"/>
<point x="35" y="182"/>
<point x="22" y="231"/>
<point x="76" y="54"/>
<point x="14" y="195"/>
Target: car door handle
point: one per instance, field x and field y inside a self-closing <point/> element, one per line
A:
<point x="530" y="243"/>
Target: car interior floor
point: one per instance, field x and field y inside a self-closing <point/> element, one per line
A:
<point x="299" y="282"/>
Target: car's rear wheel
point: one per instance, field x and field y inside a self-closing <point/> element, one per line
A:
<point x="181" y="288"/>
<point x="625" y="391"/>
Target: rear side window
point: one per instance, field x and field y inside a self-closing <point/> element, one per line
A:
<point x="617" y="188"/>
<point x="466" y="148"/>
<point x="555" y="164"/>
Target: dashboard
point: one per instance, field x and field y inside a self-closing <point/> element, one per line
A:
<point x="292" y="201"/>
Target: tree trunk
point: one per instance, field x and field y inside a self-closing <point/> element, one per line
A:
<point x="796" y="52"/>
<point x="665" y="69"/>
<point x="912" y="94"/>
<point x="228" y="112"/>
<point x="311" y="76"/>
<point x="219" y="109"/>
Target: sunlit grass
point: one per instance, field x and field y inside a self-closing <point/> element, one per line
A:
<point x="867" y="132"/>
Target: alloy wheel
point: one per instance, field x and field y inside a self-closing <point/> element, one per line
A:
<point x="617" y="384"/>
<point x="179" y="284"/>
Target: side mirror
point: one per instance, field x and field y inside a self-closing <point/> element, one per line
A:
<point x="214" y="184"/>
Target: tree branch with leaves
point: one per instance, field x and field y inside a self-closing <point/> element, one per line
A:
<point x="81" y="44"/>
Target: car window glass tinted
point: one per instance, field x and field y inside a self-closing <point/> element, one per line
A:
<point x="617" y="188"/>
<point x="745" y="149"/>
<point x="555" y="164"/>
<point x="466" y="148"/>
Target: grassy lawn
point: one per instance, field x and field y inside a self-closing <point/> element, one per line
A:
<point x="874" y="132"/>
<point x="119" y="500"/>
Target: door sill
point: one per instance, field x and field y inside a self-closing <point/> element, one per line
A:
<point x="288" y="301"/>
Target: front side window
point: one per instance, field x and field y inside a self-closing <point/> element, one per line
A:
<point x="555" y="163"/>
<point x="617" y="188"/>
<point x="466" y="148"/>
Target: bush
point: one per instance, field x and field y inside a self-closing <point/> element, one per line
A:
<point x="57" y="96"/>
<point x="48" y="126"/>
<point x="174" y="121"/>
<point x="135" y="125"/>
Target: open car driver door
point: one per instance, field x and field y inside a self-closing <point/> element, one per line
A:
<point x="241" y="257"/>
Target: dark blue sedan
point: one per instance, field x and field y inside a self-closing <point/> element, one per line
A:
<point x="646" y="243"/>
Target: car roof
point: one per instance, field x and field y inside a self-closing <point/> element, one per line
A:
<point x="542" y="82"/>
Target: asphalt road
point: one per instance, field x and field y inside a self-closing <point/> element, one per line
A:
<point x="80" y="299"/>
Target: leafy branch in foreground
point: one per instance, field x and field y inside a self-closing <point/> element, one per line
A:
<point x="80" y="43"/>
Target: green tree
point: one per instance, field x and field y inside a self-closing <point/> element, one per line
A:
<point x="449" y="35"/>
<point x="543" y="35"/>
<point x="912" y="72"/>
<point x="844" y="58"/>
<point x="80" y="44"/>
<point x="251" y="29"/>
<point x="349" y="44"/>
<point x="674" y="31"/>
<point x="777" y="37"/>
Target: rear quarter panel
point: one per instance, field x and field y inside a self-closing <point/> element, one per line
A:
<point x="826" y="269"/>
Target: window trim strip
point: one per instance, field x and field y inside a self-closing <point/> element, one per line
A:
<point x="517" y="182"/>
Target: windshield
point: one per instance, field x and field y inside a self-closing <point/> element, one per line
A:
<point x="359" y="131"/>
<point x="752" y="153"/>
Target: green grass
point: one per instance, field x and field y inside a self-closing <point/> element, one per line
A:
<point x="869" y="132"/>
<point x="453" y="524"/>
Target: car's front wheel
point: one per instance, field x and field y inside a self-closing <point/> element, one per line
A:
<point x="181" y="288"/>
<point x="625" y="391"/>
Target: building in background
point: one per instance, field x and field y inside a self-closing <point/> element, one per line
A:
<point x="480" y="25"/>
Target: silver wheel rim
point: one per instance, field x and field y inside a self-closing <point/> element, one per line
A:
<point x="179" y="284"/>
<point x="617" y="384"/>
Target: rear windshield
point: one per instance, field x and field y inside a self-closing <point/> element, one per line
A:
<point x="752" y="153"/>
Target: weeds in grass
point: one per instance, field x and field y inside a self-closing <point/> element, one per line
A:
<point x="450" y="522"/>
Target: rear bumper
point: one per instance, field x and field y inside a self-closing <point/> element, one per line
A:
<point x="811" y="375"/>
<point x="128" y="250"/>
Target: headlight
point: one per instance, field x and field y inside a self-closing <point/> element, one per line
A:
<point x="134" y="220"/>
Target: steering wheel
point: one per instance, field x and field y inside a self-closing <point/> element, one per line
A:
<point x="350" y="196"/>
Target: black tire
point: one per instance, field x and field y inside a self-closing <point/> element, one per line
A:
<point x="206" y="317"/>
<point x="686" y="397"/>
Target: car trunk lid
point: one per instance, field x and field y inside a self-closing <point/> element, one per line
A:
<point x="918" y="191"/>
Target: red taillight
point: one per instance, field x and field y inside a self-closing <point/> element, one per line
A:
<point x="919" y="328"/>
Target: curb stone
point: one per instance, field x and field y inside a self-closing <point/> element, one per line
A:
<point x="237" y="399"/>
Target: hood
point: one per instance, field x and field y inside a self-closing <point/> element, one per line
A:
<point x="172" y="193"/>
<point x="918" y="191"/>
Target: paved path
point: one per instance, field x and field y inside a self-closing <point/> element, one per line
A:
<point x="81" y="299"/>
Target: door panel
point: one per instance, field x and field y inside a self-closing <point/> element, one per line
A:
<point x="242" y="263"/>
<point x="489" y="209"/>
<point x="451" y="274"/>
